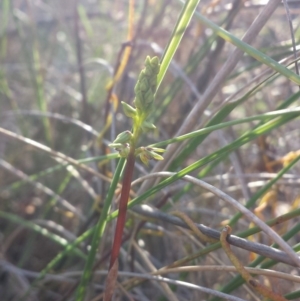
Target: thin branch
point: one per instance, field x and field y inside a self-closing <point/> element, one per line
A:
<point x="239" y="242"/>
<point x="290" y="257"/>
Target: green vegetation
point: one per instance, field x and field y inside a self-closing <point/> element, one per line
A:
<point x="133" y="133"/>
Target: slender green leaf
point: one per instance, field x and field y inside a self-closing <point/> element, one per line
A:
<point x="98" y="232"/>
<point x="176" y="36"/>
<point x="261" y="57"/>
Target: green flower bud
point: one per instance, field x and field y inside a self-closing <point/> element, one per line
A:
<point x="145" y="157"/>
<point x="154" y="155"/>
<point x="128" y="110"/>
<point x="148" y="98"/>
<point x="155" y="64"/>
<point x="124" y="150"/>
<point x="145" y="87"/>
<point x="152" y="65"/>
<point x="148" y="153"/>
<point x="138" y="101"/>
<point x="115" y="145"/>
<point x="138" y="151"/>
<point x="156" y="149"/>
<point x="123" y="137"/>
<point x="146" y="126"/>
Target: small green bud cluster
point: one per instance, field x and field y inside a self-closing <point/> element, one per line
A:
<point x="144" y="98"/>
<point x="148" y="153"/>
<point x="145" y="87"/>
<point x="129" y="110"/>
<point x="122" y="143"/>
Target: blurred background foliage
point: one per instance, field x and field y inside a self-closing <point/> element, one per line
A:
<point x="56" y="60"/>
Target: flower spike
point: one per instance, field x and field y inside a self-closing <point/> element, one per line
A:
<point x="146" y="85"/>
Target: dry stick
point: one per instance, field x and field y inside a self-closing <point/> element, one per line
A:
<point x="253" y="283"/>
<point x="146" y="210"/>
<point x="136" y="281"/>
<point x="200" y="245"/>
<point x="204" y="238"/>
<point x="239" y="242"/>
<point x="260" y="249"/>
<point x="212" y="90"/>
<point x="53" y="153"/>
<point x="250" y="216"/>
<point x="193" y="227"/>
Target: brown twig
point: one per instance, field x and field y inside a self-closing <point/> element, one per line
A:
<point x="253" y="283"/>
<point x="193" y="227"/>
<point x="239" y="242"/>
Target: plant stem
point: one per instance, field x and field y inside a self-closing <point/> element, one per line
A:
<point x="126" y="185"/>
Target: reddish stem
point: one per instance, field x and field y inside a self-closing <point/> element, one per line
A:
<point x="126" y="185"/>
